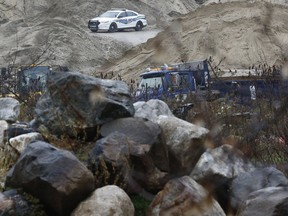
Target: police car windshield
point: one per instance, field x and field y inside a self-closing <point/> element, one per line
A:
<point x="109" y="14"/>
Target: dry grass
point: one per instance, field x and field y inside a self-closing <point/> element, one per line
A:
<point x="259" y="129"/>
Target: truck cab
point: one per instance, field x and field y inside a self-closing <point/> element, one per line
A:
<point x="173" y="81"/>
<point x="32" y="79"/>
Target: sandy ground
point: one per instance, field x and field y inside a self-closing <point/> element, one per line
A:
<point x="235" y="35"/>
<point x="55" y="32"/>
<point x="130" y="37"/>
<point x="281" y="2"/>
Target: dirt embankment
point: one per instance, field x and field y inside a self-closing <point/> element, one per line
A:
<point x="236" y="35"/>
<point x="56" y="31"/>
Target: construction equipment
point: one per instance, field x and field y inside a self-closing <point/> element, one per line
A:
<point x="245" y="89"/>
<point x="177" y="80"/>
<point x="32" y="79"/>
<point x="173" y="81"/>
<point x="21" y="81"/>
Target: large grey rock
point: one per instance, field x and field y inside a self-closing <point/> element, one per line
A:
<point x="151" y="109"/>
<point x="17" y="129"/>
<point x="19" y="205"/>
<point x="142" y="131"/>
<point x="9" y="109"/>
<point x="117" y="159"/>
<point x="281" y="208"/>
<point x="184" y="196"/>
<point x="249" y="182"/>
<point x="109" y="162"/>
<point x="264" y="202"/>
<point x="185" y="143"/>
<point x="7" y="206"/>
<point x="20" y="142"/>
<point x="3" y="126"/>
<point x="54" y="176"/>
<point x="106" y="201"/>
<point x="224" y="160"/>
<point x="219" y="187"/>
<point x="75" y="104"/>
<point x="8" y="155"/>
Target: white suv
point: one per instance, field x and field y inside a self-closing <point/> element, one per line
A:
<point x="118" y="19"/>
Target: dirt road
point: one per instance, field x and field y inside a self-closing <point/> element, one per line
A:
<point x="130" y="37"/>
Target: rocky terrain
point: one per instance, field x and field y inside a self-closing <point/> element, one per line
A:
<point x="90" y="150"/>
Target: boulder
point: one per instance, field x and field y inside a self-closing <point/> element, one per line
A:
<point x="142" y="131"/>
<point x="185" y="143"/>
<point x="117" y="159"/>
<point x="9" y="109"/>
<point x="224" y="160"/>
<point x="220" y="188"/>
<point x="267" y="201"/>
<point x="20" y="142"/>
<point x="106" y="201"/>
<point x="54" y="176"/>
<point x="281" y="208"/>
<point x="3" y="126"/>
<point x="151" y="109"/>
<point x="248" y="182"/>
<point x="7" y="206"/>
<point x="75" y="104"/>
<point x="8" y="155"/>
<point x="109" y="162"/>
<point x="18" y="204"/>
<point x="184" y="196"/>
<point x="17" y="129"/>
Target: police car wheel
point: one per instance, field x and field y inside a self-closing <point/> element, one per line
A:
<point x="139" y="26"/>
<point x="113" y="27"/>
<point x="94" y="30"/>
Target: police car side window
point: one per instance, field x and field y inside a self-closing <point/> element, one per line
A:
<point x="121" y="15"/>
<point x="131" y="14"/>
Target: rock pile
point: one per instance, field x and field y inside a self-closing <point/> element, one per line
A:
<point x="160" y="156"/>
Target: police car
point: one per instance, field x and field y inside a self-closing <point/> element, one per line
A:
<point x="118" y="19"/>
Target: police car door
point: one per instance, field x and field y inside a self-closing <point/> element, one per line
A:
<point x="122" y="20"/>
<point x="132" y="19"/>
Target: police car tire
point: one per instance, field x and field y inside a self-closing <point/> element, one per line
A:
<point x="139" y="26"/>
<point x="113" y="27"/>
<point x="94" y="30"/>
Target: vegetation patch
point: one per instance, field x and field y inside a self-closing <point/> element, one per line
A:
<point x="140" y="204"/>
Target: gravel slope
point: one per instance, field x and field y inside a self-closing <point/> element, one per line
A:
<point x="234" y="33"/>
<point x="237" y="34"/>
<point x="57" y="30"/>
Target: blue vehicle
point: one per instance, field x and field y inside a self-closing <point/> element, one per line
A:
<point x="245" y="89"/>
<point x="176" y="81"/>
<point x="173" y="81"/>
<point x="21" y="81"/>
<point x="32" y="79"/>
